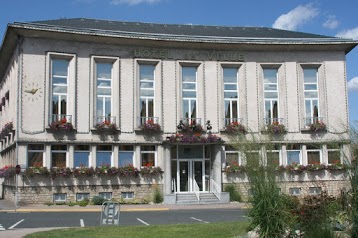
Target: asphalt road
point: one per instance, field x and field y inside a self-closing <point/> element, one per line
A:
<point x="11" y="220"/>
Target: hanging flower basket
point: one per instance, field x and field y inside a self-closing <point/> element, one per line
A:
<point x="150" y="170"/>
<point x="234" y="168"/>
<point x="192" y="139"/>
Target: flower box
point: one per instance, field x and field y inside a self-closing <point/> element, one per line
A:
<point x="150" y="126"/>
<point x="234" y="168"/>
<point x="318" y="126"/>
<point x="7" y="171"/>
<point x="106" y="126"/>
<point x="276" y="128"/>
<point x="61" y="125"/>
<point x="192" y="139"/>
<point x="150" y="170"/>
<point x="235" y="128"/>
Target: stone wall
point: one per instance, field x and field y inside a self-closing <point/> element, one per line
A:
<point x="40" y="190"/>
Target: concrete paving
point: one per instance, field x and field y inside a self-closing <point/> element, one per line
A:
<point x="7" y="206"/>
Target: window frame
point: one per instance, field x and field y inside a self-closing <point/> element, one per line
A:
<point x="271" y="118"/>
<point x="294" y="150"/>
<point x="67" y="85"/>
<point x="59" y="152"/>
<point x="231" y="150"/>
<point x="142" y="152"/>
<point x="59" y="194"/>
<point x="144" y="97"/>
<point x="340" y="150"/>
<point x="36" y="151"/>
<point x="189" y="99"/>
<point x="319" y="150"/>
<point x="310" y="99"/>
<point x="87" y="196"/>
<point x="105" y="151"/>
<point x="97" y="87"/>
<point x="126" y="151"/>
<point x="82" y="151"/>
<point x="228" y="120"/>
<point x="100" y="194"/>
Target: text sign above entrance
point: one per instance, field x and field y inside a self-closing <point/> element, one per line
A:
<point x="210" y="55"/>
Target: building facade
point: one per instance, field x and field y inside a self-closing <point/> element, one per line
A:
<point x="131" y="107"/>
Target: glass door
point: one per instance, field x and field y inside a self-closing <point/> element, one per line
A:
<point x="183" y="176"/>
<point x="189" y="172"/>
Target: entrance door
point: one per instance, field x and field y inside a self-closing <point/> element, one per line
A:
<point x="190" y="174"/>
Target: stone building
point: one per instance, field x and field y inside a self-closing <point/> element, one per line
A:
<point x="131" y="107"/>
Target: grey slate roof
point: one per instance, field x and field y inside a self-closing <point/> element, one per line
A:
<point x="177" y="29"/>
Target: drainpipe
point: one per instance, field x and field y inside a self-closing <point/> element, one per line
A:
<point x="19" y="76"/>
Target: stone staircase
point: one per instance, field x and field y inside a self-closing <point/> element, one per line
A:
<point x="190" y="198"/>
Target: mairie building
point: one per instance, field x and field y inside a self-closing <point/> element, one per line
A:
<point x="123" y="109"/>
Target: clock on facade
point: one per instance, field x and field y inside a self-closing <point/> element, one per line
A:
<point x="32" y="91"/>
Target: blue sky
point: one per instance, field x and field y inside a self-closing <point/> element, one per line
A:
<point x="333" y="18"/>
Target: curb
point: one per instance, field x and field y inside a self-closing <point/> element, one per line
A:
<point x="82" y="210"/>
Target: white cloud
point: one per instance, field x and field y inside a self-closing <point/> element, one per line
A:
<point x="133" y="2"/>
<point x="296" y="17"/>
<point x="353" y="84"/>
<point x="331" y="22"/>
<point x="351" y="33"/>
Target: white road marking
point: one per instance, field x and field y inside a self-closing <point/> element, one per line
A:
<point x="82" y="223"/>
<point x="143" y="222"/>
<point x="2" y="228"/>
<point x="196" y="219"/>
<point x="17" y="223"/>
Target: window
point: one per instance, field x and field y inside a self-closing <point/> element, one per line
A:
<point x="127" y="195"/>
<point x="189" y="87"/>
<point x="59" y="80"/>
<point x="81" y="155"/>
<point x="315" y="190"/>
<point x="148" y="155"/>
<point x="35" y="155"/>
<point x="106" y="195"/>
<point x="82" y="196"/>
<point x="146" y="92"/>
<point x="314" y="154"/>
<point x="273" y="155"/>
<point x="334" y="153"/>
<point x="59" y="197"/>
<point x="270" y="96"/>
<point x="126" y="155"/>
<point x="295" y="191"/>
<point x="310" y="84"/>
<point x="231" y="155"/>
<point x="59" y="155"/>
<point x="231" y="95"/>
<point x="104" y="155"/>
<point x="293" y="154"/>
<point x="104" y="91"/>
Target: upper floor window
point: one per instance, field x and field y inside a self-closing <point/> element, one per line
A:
<point x="231" y="95"/>
<point x="35" y="155"/>
<point x="189" y="91"/>
<point x="81" y="155"/>
<point x="146" y="92"/>
<point x="311" y="98"/>
<point x="104" y="91"/>
<point x="59" y="80"/>
<point x="271" y="96"/>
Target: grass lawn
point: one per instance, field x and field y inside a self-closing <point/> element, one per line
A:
<point x="214" y="230"/>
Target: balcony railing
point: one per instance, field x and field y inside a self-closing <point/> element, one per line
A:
<point x="308" y="121"/>
<point x="228" y="121"/>
<point x="105" y="119"/>
<point x="191" y="121"/>
<point x="271" y="120"/>
<point x="61" y="118"/>
<point x="144" y="120"/>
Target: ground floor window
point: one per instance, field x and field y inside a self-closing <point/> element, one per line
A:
<point x="59" y="156"/>
<point x="231" y="156"/>
<point x="294" y="154"/>
<point x="82" y="196"/>
<point x="148" y="154"/>
<point x="127" y="195"/>
<point x="126" y="155"/>
<point x="106" y="195"/>
<point x="314" y="154"/>
<point x="104" y="155"/>
<point x="334" y="153"/>
<point x="59" y="197"/>
<point x="295" y="191"/>
<point x="81" y="156"/>
<point x="35" y="155"/>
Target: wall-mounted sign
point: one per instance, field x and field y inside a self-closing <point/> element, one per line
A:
<point x="202" y="55"/>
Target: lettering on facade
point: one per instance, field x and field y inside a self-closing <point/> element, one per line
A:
<point x="211" y="55"/>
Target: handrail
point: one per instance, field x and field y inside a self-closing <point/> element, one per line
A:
<point x="196" y="190"/>
<point x="174" y="186"/>
<point x="215" y="189"/>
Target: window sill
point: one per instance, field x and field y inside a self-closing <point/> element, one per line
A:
<point x="50" y="130"/>
<point x="308" y="131"/>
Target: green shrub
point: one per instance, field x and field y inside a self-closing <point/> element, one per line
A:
<point x="71" y="204"/>
<point x="96" y="200"/>
<point x="234" y="194"/>
<point x="48" y="203"/>
<point x="319" y="232"/>
<point x="157" y="197"/>
<point x="84" y="202"/>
